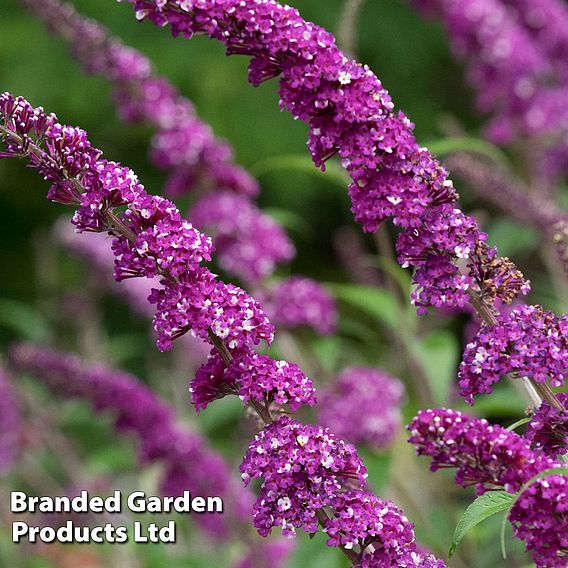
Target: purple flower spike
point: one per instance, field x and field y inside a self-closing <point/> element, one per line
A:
<point x="299" y="301"/>
<point x="350" y="115"/>
<point x="484" y="455"/>
<point x="527" y="340"/>
<point x="303" y="468"/>
<point x="361" y="519"/>
<point x="540" y="518"/>
<point x="266" y="380"/>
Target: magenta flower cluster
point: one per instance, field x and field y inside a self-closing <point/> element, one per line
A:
<point x="297" y="302"/>
<point x="379" y="528"/>
<point x="151" y="238"/>
<point x="249" y="243"/>
<point x="548" y="428"/>
<point x="487" y="456"/>
<point x="266" y="380"/>
<point x="363" y="405"/>
<point x="303" y="467"/>
<point x="540" y="518"/>
<point x="352" y="115"/>
<point x="527" y="340"/>
<point x="252" y="377"/>
<point x="491" y="457"/>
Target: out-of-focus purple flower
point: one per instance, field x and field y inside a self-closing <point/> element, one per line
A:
<point x="273" y="553"/>
<point x="249" y="243"/>
<point x="548" y="428"/>
<point x="507" y="68"/>
<point x="183" y="143"/>
<point x="10" y="425"/>
<point x="299" y="301"/>
<point x="189" y="463"/>
<point x="547" y="23"/>
<point x="303" y="468"/>
<point x="487" y="456"/>
<point x="540" y="518"/>
<point x="527" y="340"/>
<point x="363" y="406"/>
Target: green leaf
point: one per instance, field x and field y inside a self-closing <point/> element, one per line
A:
<point x="439" y="354"/>
<point x="482" y="508"/>
<point x="376" y="302"/>
<point x="519" y="423"/>
<point x="299" y="162"/>
<point x="24" y="320"/>
<point x="446" y="146"/>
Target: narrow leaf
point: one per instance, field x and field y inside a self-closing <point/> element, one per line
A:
<point x="482" y="508"/>
<point x="519" y="423"/>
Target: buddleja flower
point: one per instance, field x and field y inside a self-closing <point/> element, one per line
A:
<point x="150" y="237"/>
<point x="350" y="114"/>
<point x="360" y="519"/>
<point x="505" y="65"/>
<point x="363" y="406"/>
<point x="302" y="467"/>
<point x="540" y="518"/>
<point x="10" y="425"/>
<point x="249" y="243"/>
<point x="266" y="380"/>
<point x="201" y="303"/>
<point x="487" y="456"/>
<point x="492" y="457"/>
<point x="548" y="428"/>
<point x="273" y="554"/>
<point x="252" y="377"/>
<point x="411" y="560"/>
<point x="299" y="301"/>
<point x="527" y="340"/>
